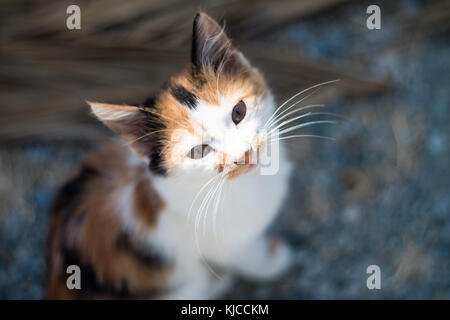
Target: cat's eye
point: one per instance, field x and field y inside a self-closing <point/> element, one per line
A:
<point x="199" y="151"/>
<point x="238" y="112"/>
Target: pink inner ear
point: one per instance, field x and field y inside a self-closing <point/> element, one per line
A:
<point x="131" y="123"/>
<point x="135" y="131"/>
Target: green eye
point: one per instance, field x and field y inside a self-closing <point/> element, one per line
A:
<point x="199" y="151"/>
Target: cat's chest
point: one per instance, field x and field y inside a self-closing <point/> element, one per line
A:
<point x="234" y="210"/>
<point x="254" y="202"/>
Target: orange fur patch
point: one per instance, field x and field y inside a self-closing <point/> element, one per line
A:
<point x="87" y="223"/>
<point x="206" y="86"/>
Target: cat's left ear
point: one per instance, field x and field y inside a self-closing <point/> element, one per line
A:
<point x="130" y="122"/>
<point x="211" y="48"/>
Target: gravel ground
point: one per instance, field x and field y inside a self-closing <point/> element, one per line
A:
<point x="378" y="195"/>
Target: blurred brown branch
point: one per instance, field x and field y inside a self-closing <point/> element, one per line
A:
<point x="126" y="49"/>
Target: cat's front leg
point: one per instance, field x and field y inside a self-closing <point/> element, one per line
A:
<point x="199" y="284"/>
<point x="263" y="259"/>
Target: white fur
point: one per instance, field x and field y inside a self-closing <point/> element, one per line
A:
<point x="230" y="233"/>
<point x="251" y="204"/>
<point x="106" y="113"/>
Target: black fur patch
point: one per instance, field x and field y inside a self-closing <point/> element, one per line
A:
<point x="154" y="124"/>
<point x="67" y="199"/>
<point x="149" y="103"/>
<point x="194" y="48"/>
<point x="92" y="288"/>
<point x="156" y="164"/>
<point x="185" y="97"/>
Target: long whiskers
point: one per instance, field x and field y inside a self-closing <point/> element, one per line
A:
<point x="216" y="208"/>
<point x="200" y="214"/>
<point x="309" y="114"/>
<point x="305" y="125"/>
<point x="296" y="95"/>
<point x="293" y="105"/>
<point x="204" y="206"/>
<point x="216" y="236"/>
<point x="211" y="201"/>
<point x="280" y="117"/>
<point x="198" y="194"/>
<point x="304" y="136"/>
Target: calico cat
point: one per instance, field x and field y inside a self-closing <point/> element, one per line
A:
<point x="157" y="213"/>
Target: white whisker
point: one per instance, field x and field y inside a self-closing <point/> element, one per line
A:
<point x="304" y="136"/>
<point x="211" y="201"/>
<point x="198" y="194"/>
<point x="300" y="117"/>
<point x="198" y="219"/>
<point x="202" y="208"/>
<point x="216" y="210"/>
<point x="279" y="117"/>
<point x="292" y="106"/>
<point x="299" y="93"/>
<point x="305" y="125"/>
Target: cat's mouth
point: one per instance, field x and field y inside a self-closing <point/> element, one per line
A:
<point x="236" y="170"/>
<point x="248" y="163"/>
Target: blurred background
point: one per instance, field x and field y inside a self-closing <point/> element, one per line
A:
<point x="377" y="195"/>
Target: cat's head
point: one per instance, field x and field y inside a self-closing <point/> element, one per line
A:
<point x="207" y="119"/>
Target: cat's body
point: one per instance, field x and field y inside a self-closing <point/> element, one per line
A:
<point x="131" y="231"/>
<point x="140" y="233"/>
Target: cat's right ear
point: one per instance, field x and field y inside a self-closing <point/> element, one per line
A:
<point x="130" y="122"/>
<point x="212" y="48"/>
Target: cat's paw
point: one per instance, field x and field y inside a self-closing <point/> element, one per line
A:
<point x="265" y="259"/>
<point x="279" y="259"/>
<point x="220" y="286"/>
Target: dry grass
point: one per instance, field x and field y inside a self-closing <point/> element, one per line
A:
<point x="127" y="49"/>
